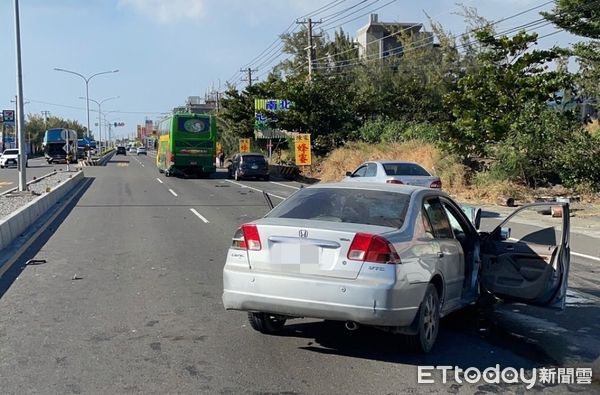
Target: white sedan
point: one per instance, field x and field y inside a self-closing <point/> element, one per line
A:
<point x="395" y="257"/>
<point x="393" y="172"/>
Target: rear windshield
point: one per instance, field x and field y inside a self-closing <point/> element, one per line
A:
<point x="253" y="159"/>
<point x="11" y="152"/>
<point x="357" y="206"/>
<point x="193" y="125"/>
<point x="404" y="169"/>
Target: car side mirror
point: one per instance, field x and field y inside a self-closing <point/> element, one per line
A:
<point x="348" y="174"/>
<point x="504" y="233"/>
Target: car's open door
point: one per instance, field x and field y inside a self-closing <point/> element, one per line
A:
<point x="526" y="258"/>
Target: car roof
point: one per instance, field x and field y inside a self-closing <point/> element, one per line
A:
<point x="386" y="162"/>
<point x="250" y="154"/>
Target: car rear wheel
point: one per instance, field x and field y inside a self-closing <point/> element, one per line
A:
<point x="265" y="322"/>
<point x="429" y="322"/>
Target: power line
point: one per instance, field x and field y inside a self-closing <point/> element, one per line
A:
<point x="337" y="13"/>
<point x="322" y="9"/>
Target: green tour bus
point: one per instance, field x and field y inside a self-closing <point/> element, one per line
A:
<point x="187" y="144"/>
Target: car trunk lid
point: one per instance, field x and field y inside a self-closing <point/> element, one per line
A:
<point x="308" y="247"/>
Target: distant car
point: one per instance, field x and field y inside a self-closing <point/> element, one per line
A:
<point x="248" y="165"/>
<point x="141" y="151"/>
<point x="121" y="151"/>
<point x="394" y="172"/>
<point x="10" y="157"/>
<point x="395" y="257"/>
<point x="132" y="149"/>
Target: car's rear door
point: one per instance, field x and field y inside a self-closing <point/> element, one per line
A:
<point x="526" y="258"/>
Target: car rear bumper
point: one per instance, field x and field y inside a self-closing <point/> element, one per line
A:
<point x="254" y="173"/>
<point x="366" y="302"/>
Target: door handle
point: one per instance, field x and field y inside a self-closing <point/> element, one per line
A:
<point x="510" y="248"/>
<point x="440" y="254"/>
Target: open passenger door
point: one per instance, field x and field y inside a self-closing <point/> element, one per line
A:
<point x="527" y="260"/>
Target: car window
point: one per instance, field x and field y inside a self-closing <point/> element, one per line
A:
<point x="254" y="159"/>
<point x="437" y="218"/>
<point x="456" y="223"/>
<point x="382" y="208"/>
<point x="360" y="172"/>
<point x="371" y="170"/>
<point x="11" y="152"/>
<point x="404" y="169"/>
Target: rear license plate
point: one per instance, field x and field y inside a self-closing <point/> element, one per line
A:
<point x="193" y="162"/>
<point x="254" y="167"/>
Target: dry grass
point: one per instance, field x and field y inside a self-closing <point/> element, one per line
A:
<point x="456" y="178"/>
<point x="594" y="127"/>
<point x="349" y="157"/>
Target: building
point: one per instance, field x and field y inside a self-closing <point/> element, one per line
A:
<point x="378" y="40"/>
<point x="196" y="105"/>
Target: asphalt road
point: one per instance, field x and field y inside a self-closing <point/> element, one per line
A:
<point x="37" y="167"/>
<point x="129" y="301"/>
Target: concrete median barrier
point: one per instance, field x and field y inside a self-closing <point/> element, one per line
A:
<point x="15" y="224"/>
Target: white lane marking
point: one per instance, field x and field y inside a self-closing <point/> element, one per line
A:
<point x="199" y="215"/>
<point x="159" y="180"/>
<point x="255" y="189"/>
<point x="173" y="192"/>
<point x="593" y="258"/>
<point x="283" y="185"/>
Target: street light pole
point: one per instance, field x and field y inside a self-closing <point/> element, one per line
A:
<point x="20" y="115"/>
<point x="99" y="103"/>
<point x="87" y="90"/>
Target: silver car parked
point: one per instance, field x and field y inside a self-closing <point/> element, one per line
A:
<point x="393" y="172"/>
<point x="391" y="256"/>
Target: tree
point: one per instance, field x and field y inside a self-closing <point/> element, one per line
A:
<point x="36" y="125"/>
<point x="510" y="78"/>
<point x="582" y="18"/>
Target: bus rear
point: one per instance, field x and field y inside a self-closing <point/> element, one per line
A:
<point x="193" y="144"/>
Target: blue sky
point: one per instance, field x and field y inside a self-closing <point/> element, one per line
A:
<point x="167" y="50"/>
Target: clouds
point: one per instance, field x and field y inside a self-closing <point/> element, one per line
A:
<point x="166" y="11"/>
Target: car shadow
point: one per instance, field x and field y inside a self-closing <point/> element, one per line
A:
<point x="9" y="277"/>
<point x="467" y="338"/>
<point x="489" y="214"/>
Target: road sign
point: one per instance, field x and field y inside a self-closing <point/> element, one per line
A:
<point x="8" y="117"/>
<point x="66" y="147"/>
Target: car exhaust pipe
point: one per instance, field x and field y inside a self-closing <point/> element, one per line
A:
<point x="351" y="326"/>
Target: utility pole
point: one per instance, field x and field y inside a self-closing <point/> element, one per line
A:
<point x="311" y="46"/>
<point x="249" y="79"/>
<point x="20" y="116"/>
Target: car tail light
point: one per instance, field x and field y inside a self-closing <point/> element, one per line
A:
<point x="247" y="238"/>
<point x="372" y="248"/>
<point x="392" y="181"/>
<point x="436" y="184"/>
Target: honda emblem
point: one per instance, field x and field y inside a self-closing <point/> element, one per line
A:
<point x="303" y="233"/>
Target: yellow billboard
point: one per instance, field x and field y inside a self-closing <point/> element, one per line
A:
<point x="244" y="145"/>
<point x="302" y="149"/>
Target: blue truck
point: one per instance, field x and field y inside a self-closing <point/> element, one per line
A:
<point x="55" y="145"/>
